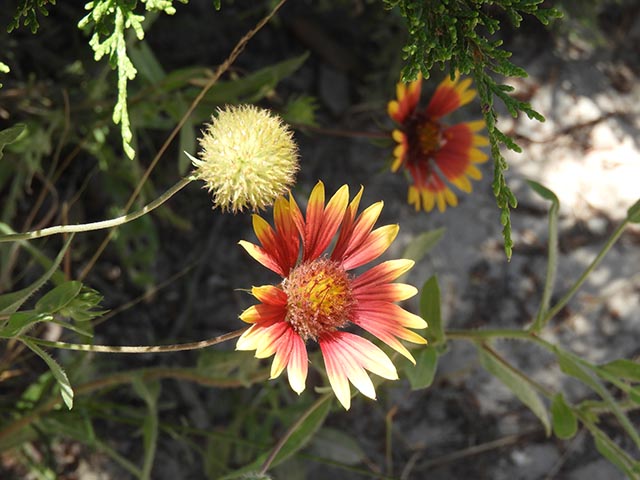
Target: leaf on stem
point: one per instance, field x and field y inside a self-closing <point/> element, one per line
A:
<point x="421" y="374"/>
<point x="63" y="381"/>
<point x="565" y="422"/>
<point x="11" y="302"/>
<point x="517" y="383"/>
<point x="430" y="311"/>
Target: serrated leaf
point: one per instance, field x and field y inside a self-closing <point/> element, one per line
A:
<point x="564" y="421"/>
<point x="421" y="374"/>
<point x="623" y="368"/>
<point x="518" y="385"/>
<point x="58" y="373"/>
<point x="430" y="311"/>
<point x="59" y="297"/>
<point x="422" y="244"/>
<point x="20" y="322"/>
<point x="11" y="302"/>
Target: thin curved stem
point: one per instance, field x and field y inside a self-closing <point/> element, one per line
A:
<point x="178" y="347"/>
<point x="114" y="222"/>
<point x="596" y="261"/>
<point x="224" y="66"/>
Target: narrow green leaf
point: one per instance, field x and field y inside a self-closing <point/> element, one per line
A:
<point x="149" y="392"/>
<point x="293" y="444"/>
<point x="552" y="253"/>
<point x="58" y="298"/>
<point x="623" y="368"/>
<point x="565" y="423"/>
<point x="422" y="244"/>
<point x="11" y="302"/>
<point x="430" y="311"/>
<point x="633" y="214"/>
<point x="63" y="381"/>
<point x="422" y="373"/>
<point x="514" y="380"/>
<point x="20" y="322"/>
<point x="10" y="135"/>
<point x="544" y="192"/>
<point x="337" y="446"/>
<point x="609" y="450"/>
<point x="580" y="369"/>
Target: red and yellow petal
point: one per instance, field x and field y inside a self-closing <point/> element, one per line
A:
<point x="323" y="223"/>
<point x="400" y="151"/>
<point x="383" y="273"/>
<point x="264" y="314"/>
<point x="390" y="292"/>
<point x="346" y="229"/>
<point x="372" y="247"/>
<point x="333" y="216"/>
<point x="358" y="233"/>
<point x="270" y="295"/>
<point x="408" y="96"/>
<point x="346" y="358"/>
<point x="262" y="256"/>
<point x="449" y="96"/>
<point x="287" y="231"/>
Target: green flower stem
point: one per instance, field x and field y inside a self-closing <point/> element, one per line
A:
<point x="87" y="227"/>
<point x="178" y="347"/>
<point x="117" y="379"/>
<point x="596" y="261"/>
<point x="283" y="440"/>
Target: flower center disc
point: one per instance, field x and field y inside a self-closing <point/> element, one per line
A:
<point x="319" y="298"/>
<point x="428" y="133"/>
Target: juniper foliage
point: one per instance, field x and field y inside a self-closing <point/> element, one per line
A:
<point x="462" y="34"/>
<point x="27" y="11"/>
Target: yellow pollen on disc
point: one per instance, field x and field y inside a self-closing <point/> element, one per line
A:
<point x="428" y="133"/>
<point x="319" y="298"/>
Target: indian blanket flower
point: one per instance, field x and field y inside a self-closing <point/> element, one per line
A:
<point x="319" y="299"/>
<point x="248" y="158"/>
<point x="436" y="155"/>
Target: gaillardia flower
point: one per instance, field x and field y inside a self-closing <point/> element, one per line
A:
<point x="248" y="158"/>
<point x="318" y="298"/>
<point x="435" y="154"/>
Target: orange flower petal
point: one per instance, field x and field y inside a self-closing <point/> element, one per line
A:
<point x="270" y="295"/>
<point x="391" y="292"/>
<point x="383" y="273"/>
<point x="262" y="256"/>
<point x="372" y="247"/>
<point x="333" y="215"/>
<point x="264" y="314"/>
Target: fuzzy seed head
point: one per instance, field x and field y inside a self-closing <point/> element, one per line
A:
<point x="248" y="158"/>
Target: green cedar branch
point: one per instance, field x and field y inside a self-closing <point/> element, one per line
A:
<point x="109" y="21"/>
